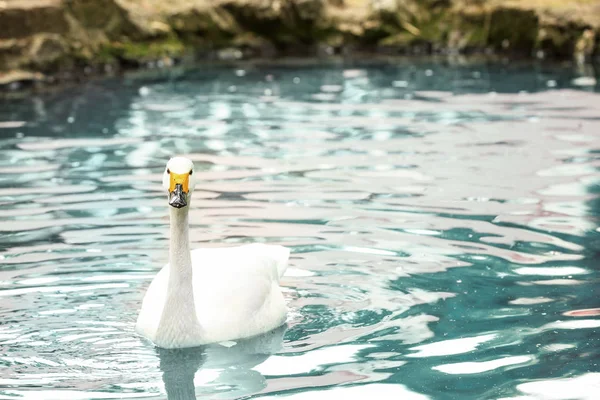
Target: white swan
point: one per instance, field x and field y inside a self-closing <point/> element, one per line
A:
<point x="210" y="295"/>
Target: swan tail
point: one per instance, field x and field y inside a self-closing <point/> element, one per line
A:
<point x="275" y="253"/>
<point x="282" y="256"/>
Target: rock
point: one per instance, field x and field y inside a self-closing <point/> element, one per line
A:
<point x="46" y="49"/>
<point x="104" y="15"/>
<point x="584" y="47"/>
<point x="229" y="54"/>
<point x="20" y="76"/>
<point x="140" y="53"/>
<point x="513" y="29"/>
<point x="214" y="25"/>
<point x="558" y="41"/>
<point x="12" y="52"/>
<point x="23" y="18"/>
<point x="285" y="23"/>
<point x="60" y="36"/>
<point x="158" y="28"/>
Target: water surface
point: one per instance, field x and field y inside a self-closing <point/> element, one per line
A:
<point x="444" y="223"/>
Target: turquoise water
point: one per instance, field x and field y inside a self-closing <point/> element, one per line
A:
<point x="444" y="222"/>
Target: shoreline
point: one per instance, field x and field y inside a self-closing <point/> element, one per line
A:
<point x="137" y="76"/>
<point x="49" y="42"/>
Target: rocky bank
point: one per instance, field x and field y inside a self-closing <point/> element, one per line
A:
<point x="54" y="39"/>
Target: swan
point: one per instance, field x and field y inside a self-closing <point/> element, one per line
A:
<point x="209" y="295"/>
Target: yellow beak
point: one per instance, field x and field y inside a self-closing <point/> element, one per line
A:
<point x="179" y="179"/>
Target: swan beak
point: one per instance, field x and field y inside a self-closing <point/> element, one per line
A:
<point x="178" y="190"/>
<point x="177" y="198"/>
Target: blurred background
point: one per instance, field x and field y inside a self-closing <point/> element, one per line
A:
<point x="67" y="39"/>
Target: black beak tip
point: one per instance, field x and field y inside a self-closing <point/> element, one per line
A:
<point x="177" y="203"/>
<point x="177" y="198"/>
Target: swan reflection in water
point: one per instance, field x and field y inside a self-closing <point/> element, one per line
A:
<point x="234" y="363"/>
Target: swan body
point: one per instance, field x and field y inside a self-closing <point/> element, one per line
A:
<point x="213" y="294"/>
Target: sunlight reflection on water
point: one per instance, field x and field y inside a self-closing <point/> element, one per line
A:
<point x="444" y="229"/>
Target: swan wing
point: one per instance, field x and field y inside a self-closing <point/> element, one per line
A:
<point x="256" y="257"/>
<point x="236" y="289"/>
<point x="153" y="304"/>
<point x="236" y="292"/>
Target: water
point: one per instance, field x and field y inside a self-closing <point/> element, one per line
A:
<point x="443" y="221"/>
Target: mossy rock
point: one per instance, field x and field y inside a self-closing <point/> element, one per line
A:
<point x="295" y="22"/>
<point x="20" y="22"/>
<point x="136" y="53"/>
<point x="469" y="32"/>
<point x="48" y="50"/>
<point x="399" y="40"/>
<point x="197" y="27"/>
<point x="104" y="15"/>
<point x="12" y="53"/>
<point x="410" y="24"/>
<point x="596" y="49"/>
<point x="559" y="41"/>
<point x="514" y="30"/>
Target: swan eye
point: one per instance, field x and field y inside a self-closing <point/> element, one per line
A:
<point x="168" y="171"/>
<point x="191" y="171"/>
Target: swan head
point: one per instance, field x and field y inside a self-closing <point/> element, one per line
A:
<point x="179" y="181"/>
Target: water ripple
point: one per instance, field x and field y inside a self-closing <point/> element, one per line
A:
<point x="443" y="221"/>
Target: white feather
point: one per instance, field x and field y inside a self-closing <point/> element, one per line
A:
<point x="236" y="295"/>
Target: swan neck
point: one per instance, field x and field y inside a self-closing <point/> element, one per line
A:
<point x="179" y="325"/>
<point x="179" y="249"/>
